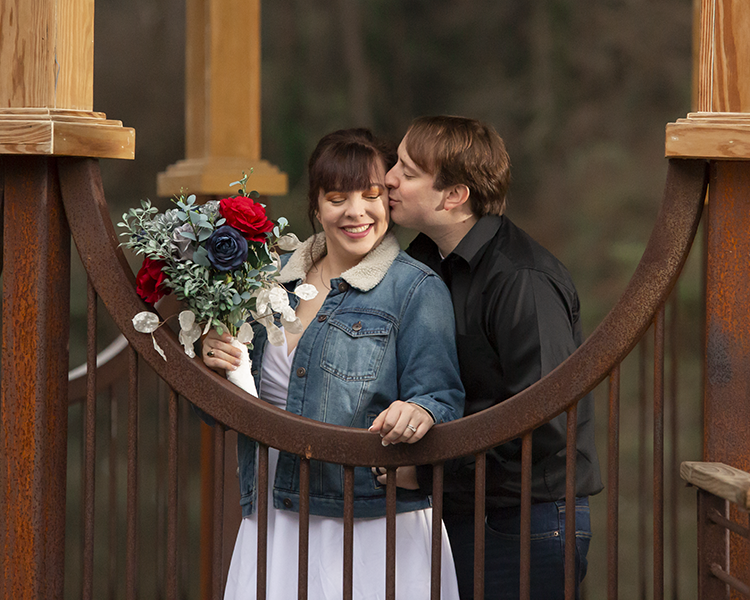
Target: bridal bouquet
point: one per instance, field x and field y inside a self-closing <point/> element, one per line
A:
<point x="220" y="259"/>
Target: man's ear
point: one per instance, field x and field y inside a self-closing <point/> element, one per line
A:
<point x="456" y="196"/>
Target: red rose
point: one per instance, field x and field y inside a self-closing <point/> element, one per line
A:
<point x="246" y="216"/>
<point x="150" y="281"/>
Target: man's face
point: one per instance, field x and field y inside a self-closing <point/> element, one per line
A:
<point x="414" y="202"/>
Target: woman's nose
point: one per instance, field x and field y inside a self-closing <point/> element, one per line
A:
<point x="356" y="206"/>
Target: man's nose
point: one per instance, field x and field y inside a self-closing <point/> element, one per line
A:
<point x="390" y="179"/>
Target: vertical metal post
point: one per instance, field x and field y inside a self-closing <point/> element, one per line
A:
<point x="33" y="438"/>
<point x="726" y="410"/>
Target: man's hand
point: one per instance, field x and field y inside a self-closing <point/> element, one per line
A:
<point x="402" y="422"/>
<point x="406" y="477"/>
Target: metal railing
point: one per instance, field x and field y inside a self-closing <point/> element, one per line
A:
<point x="599" y="358"/>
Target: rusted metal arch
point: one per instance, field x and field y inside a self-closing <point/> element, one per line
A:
<point x="613" y="339"/>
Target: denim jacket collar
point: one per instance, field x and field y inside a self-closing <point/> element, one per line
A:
<point x="364" y="276"/>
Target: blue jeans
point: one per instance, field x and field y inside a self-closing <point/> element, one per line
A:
<point x="502" y="550"/>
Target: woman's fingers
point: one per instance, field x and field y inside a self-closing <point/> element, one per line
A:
<point x="219" y="353"/>
<point x="402" y="422"/>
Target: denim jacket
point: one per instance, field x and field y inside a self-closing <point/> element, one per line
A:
<point x="385" y="332"/>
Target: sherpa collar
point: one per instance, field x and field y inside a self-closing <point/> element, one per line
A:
<point x="364" y="276"/>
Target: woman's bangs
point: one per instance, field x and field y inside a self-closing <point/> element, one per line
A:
<point x="346" y="170"/>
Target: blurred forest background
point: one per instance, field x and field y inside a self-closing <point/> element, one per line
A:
<point x="580" y="90"/>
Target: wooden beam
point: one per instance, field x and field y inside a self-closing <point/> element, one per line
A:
<point x="719" y="479"/>
<point x="719" y="136"/>
<point x="48" y="132"/>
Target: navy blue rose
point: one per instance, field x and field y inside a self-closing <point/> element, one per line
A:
<point x="226" y="248"/>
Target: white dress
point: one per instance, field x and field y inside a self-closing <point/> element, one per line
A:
<point x="325" y="571"/>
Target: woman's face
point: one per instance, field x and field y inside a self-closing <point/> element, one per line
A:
<point x="355" y="222"/>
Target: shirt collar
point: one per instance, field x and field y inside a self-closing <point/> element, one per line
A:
<point x="472" y="245"/>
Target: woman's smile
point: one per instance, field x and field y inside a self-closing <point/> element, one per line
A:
<point x="358" y="230"/>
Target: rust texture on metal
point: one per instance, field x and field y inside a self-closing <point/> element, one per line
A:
<point x="33" y="404"/>
<point x="674" y="497"/>
<point x="304" y="528"/>
<point x="643" y="478"/>
<point x="716" y="517"/>
<point x="437" y="531"/>
<point x="658" y="455"/>
<point x="613" y="484"/>
<point x="131" y="508"/>
<point x="480" y="485"/>
<point x="348" y="582"/>
<point x="713" y="545"/>
<point x="525" y="529"/>
<point x="217" y="570"/>
<point x="262" y="520"/>
<point x="390" y="535"/>
<point x="727" y="411"/>
<point x="112" y="495"/>
<point x="733" y="582"/>
<point x="89" y="449"/>
<point x="172" y="497"/>
<point x="612" y="340"/>
<point x="570" y="503"/>
<point x="207" y="510"/>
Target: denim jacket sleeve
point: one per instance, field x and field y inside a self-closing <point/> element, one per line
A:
<point x="426" y="347"/>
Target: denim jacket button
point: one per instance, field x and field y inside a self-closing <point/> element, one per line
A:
<point x="357" y="326"/>
<point x="301" y="372"/>
<point x="287" y="503"/>
<point x="343" y="286"/>
<point x="322" y="318"/>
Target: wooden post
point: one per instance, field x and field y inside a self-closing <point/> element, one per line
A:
<point x="46" y="91"/>
<point x="222" y="103"/>
<point x="720" y="131"/>
<point x="46" y="83"/>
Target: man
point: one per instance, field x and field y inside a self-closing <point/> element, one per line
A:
<point x="517" y="318"/>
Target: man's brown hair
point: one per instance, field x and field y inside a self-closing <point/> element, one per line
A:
<point x="458" y="150"/>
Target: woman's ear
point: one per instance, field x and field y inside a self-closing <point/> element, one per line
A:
<point x="456" y="196"/>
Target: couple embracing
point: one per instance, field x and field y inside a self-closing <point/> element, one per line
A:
<point x="472" y="313"/>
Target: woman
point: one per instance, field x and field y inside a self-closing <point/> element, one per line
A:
<point x="377" y="351"/>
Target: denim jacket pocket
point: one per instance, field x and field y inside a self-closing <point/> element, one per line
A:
<point x="354" y="346"/>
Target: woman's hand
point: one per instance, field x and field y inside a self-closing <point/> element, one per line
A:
<point x="402" y="422"/>
<point x="406" y="477"/>
<point x="218" y="352"/>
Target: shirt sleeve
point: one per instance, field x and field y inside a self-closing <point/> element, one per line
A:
<point x="428" y="369"/>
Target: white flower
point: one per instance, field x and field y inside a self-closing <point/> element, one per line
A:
<point x="306" y="291"/>
<point x="245" y="334"/>
<point x="288" y="242"/>
<point x="190" y="332"/>
<point x="146" y="322"/>
<point x="291" y="321"/>
<point x="261" y="301"/>
<point x="275" y="334"/>
<point x="278" y="298"/>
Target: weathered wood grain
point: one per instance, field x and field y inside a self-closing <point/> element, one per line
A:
<point x="719" y="479"/>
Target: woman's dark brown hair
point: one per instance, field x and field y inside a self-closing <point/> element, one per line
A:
<point x="343" y="162"/>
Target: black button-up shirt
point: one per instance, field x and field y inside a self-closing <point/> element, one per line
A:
<point x="517" y="318"/>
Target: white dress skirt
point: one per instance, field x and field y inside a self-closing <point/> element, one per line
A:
<point x="326" y="538"/>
